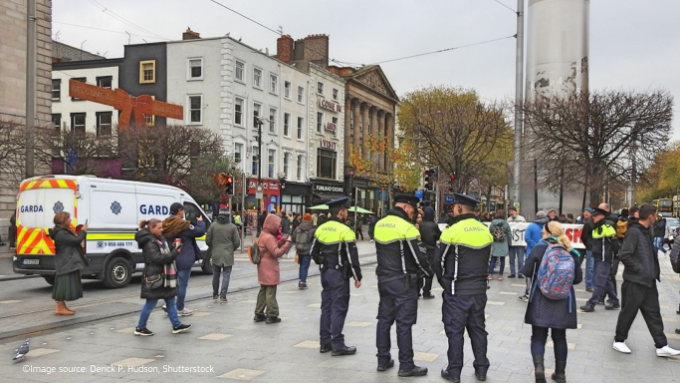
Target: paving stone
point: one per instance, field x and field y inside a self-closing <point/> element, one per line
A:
<point x="360" y="324"/>
<point x="215" y="336"/>
<point x="424" y="356"/>
<point x="132" y="362"/>
<point x="130" y="330"/>
<point x="315" y="305"/>
<point x="10" y="301"/>
<point x="495" y="302"/>
<point x="308" y="344"/>
<point x="508" y="293"/>
<point x="242" y="374"/>
<point x="41" y="352"/>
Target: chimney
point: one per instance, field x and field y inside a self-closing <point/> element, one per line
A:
<point x="316" y="49"/>
<point x="284" y="48"/>
<point x="190" y="35"/>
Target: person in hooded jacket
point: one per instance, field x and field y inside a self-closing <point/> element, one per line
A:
<point x="501" y="247"/>
<point x="175" y="227"/>
<point x="303" y="238"/>
<point x="268" y="271"/>
<point x="429" y="235"/>
<point x="157" y="255"/>
<point x="69" y="259"/>
<point x="532" y="236"/>
<point x="223" y="239"/>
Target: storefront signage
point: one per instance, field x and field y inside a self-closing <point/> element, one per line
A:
<point x="331" y="106"/>
<point x="331" y="127"/>
<point x="270" y="187"/>
<point x="328" y="144"/>
<point x="328" y="188"/>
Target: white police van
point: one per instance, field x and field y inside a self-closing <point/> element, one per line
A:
<point x="111" y="208"/>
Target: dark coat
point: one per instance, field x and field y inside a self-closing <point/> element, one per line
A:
<point x="190" y="251"/>
<point x="587" y="234"/>
<point x="156" y="254"/>
<point x="223" y="240"/>
<point x="429" y="230"/>
<point x="69" y="255"/>
<point x="544" y="312"/>
<point x="285" y="225"/>
<point x="638" y="255"/>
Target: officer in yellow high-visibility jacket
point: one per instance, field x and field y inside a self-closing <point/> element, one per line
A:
<point x="401" y="267"/>
<point x="334" y="249"/>
<point x="461" y="266"/>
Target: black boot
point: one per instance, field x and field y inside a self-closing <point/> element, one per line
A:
<point x="559" y="376"/>
<point x="539" y="369"/>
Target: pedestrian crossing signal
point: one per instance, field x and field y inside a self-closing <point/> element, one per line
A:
<point x="229" y="185"/>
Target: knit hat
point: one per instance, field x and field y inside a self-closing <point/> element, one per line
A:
<point x="540" y="215"/>
<point x="307" y="217"/>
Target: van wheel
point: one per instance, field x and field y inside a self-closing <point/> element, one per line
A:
<point x="118" y="273"/>
<point x="207" y="268"/>
<point x="49" y="279"/>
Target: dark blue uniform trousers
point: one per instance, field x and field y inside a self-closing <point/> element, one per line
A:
<point x="400" y="305"/>
<point x="460" y="313"/>
<point x="334" y="305"/>
<point x="603" y="283"/>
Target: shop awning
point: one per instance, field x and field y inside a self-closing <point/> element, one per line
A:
<point x="324" y="198"/>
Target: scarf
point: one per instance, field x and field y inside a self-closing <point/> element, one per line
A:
<point x="169" y="270"/>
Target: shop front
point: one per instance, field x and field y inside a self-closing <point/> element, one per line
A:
<point x="296" y="196"/>
<point x="326" y="190"/>
<point x="271" y="195"/>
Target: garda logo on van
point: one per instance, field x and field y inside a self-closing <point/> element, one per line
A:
<point x="154" y="210"/>
<point x="31" y="208"/>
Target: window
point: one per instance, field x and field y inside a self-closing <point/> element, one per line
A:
<point x="301" y="94"/>
<point x="319" y="88"/>
<point x="78" y="122"/>
<point x="335" y="94"/>
<point x="299" y="128"/>
<point x="256" y="156"/>
<point x="104" y="124"/>
<point x="256" y="113"/>
<point x="325" y="163"/>
<point x="195" y="109"/>
<point x="351" y="118"/>
<point x="147" y="72"/>
<point x="361" y="122"/>
<point x="319" y="121"/>
<point x="82" y="80"/>
<point x="272" y="120"/>
<point x="195" y="69"/>
<point x="335" y="126"/>
<point x="300" y="162"/>
<point x="272" y="163"/>
<point x="105" y="82"/>
<point x="286" y="124"/>
<point x="286" y="160"/>
<point x="56" y="89"/>
<point x="56" y="121"/>
<point x="240" y="71"/>
<point x="238" y="111"/>
<point x="238" y="153"/>
<point x="150" y="119"/>
<point x="286" y="89"/>
<point x="273" y="84"/>
<point x="257" y="78"/>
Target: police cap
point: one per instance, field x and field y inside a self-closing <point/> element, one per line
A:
<point x="459" y="198"/>
<point x="340" y="202"/>
<point x="599" y="211"/>
<point x="405" y="198"/>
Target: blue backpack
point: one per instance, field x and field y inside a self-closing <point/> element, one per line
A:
<point x="556" y="273"/>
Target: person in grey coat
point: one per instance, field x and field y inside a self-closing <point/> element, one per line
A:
<point x="501" y="242"/>
<point x="223" y="240"/>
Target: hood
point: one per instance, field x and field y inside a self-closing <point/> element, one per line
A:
<point x="223" y="219"/>
<point x="143" y="236"/>
<point x="542" y="221"/>
<point x="173" y="226"/>
<point x="53" y="231"/>
<point x="306" y="225"/>
<point x="429" y="214"/>
<point x="272" y="224"/>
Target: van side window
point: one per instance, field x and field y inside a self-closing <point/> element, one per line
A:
<point x="191" y="212"/>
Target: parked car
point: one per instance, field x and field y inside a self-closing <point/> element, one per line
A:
<point x="672" y="224"/>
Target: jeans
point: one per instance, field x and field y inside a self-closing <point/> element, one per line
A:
<point x="658" y="245"/>
<point x="151" y="304"/>
<point x="492" y="265"/>
<point x="305" y="261"/>
<point x="590" y="269"/>
<point x="183" y="281"/>
<point x="226" y="276"/>
<point x="516" y="253"/>
<point x="539" y="336"/>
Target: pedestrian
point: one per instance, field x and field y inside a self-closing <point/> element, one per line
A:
<point x="223" y="239"/>
<point x="556" y="314"/>
<point x="562" y="218"/>
<point x="461" y="266"/>
<point x="13" y="230"/>
<point x="303" y="238"/>
<point x="322" y="219"/>
<point x="69" y="259"/>
<point x="502" y="240"/>
<point x="533" y="235"/>
<point x="604" y="247"/>
<point x="360" y="226"/>
<point x="260" y="221"/>
<point x="429" y="235"/>
<point x="570" y="218"/>
<point x="401" y="267"/>
<point x="587" y="240"/>
<point x="516" y="251"/>
<point x="659" y="234"/>
<point x="335" y="251"/>
<point x="238" y="221"/>
<point x="639" y="291"/>
<point x="552" y="215"/>
<point x="268" y="272"/>
<point x="285" y="223"/>
<point x="297" y="220"/>
<point x="371" y="226"/>
<point x="175" y="227"/>
<point x="159" y="278"/>
<point x="315" y="218"/>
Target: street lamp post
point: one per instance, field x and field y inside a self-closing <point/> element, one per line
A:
<point x="259" y="172"/>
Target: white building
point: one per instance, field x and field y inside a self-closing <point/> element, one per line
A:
<point x="79" y="115"/>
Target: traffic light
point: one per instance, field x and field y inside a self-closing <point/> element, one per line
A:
<point x="452" y="181"/>
<point x="229" y="181"/>
<point x="430" y="178"/>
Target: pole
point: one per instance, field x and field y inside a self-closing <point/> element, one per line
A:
<point x="535" y="185"/>
<point x="356" y="204"/>
<point x="561" y="189"/>
<point x="244" y="181"/>
<point x="519" y="95"/>
<point x="30" y="88"/>
<point x="259" y="172"/>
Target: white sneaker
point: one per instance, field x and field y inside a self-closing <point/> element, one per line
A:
<point x="185" y="312"/>
<point x="623" y="348"/>
<point x="667" y="352"/>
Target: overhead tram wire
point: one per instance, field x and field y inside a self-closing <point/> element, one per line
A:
<point x="106" y="30"/>
<point x="123" y="20"/>
<point x="512" y="10"/>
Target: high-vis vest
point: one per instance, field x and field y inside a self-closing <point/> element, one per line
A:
<point x="332" y="239"/>
<point x="396" y="246"/>
<point x="602" y="241"/>
<point x="465" y="257"/>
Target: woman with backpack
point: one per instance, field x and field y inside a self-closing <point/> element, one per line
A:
<point x="303" y="237"/>
<point x="502" y="239"/>
<point x="555" y="267"/>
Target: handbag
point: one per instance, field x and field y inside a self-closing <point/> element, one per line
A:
<point x="152" y="282"/>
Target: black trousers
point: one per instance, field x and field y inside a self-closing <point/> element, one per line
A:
<point x="458" y="314"/>
<point x="334" y="306"/>
<point x="427" y="285"/>
<point x="645" y="299"/>
<point x="401" y="305"/>
<point x="603" y="283"/>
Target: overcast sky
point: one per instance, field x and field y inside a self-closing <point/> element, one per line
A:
<point x="634" y="44"/>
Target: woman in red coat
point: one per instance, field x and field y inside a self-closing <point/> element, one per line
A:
<point x="268" y="272"/>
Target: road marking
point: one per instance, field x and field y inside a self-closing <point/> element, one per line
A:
<point x="201" y="314"/>
<point x="495" y="302"/>
<point x="669" y="319"/>
<point x="242" y="374"/>
<point x="10" y="301"/>
<point x="41" y="352"/>
<point x="424" y="356"/>
<point x="130" y="330"/>
<point x="215" y="336"/>
<point x="132" y="362"/>
<point x="360" y="324"/>
<point x="508" y="293"/>
<point x="315" y="305"/>
<point x="312" y="344"/>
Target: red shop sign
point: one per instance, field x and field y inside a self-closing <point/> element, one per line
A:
<point x="270" y="187"/>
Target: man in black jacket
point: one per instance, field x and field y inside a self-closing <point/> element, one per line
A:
<point x="587" y="240"/>
<point x="429" y="234"/>
<point x="639" y="290"/>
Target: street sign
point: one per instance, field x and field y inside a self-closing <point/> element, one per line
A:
<point x="419" y="194"/>
<point x="259" y="192"/>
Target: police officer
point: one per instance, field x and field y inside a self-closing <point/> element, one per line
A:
<point x="335" y="251"/>
<point x="401" y="266"/>
<point x="461" y="266"/>
<point x="604" y="247"/>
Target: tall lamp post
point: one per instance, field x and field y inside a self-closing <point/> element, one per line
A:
<point x="258" y="188"/>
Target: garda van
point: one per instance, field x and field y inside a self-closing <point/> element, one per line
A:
<point x="111" y="208"/>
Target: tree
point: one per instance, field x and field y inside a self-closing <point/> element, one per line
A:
<point x="80" y="152"/>
<point x="663" y="176"/>
<point x="598" y="138"/>
<point x="12" y="152"/>
<point x="200" y="182"/>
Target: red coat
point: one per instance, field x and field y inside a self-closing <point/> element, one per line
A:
<point x="268" y="271"/>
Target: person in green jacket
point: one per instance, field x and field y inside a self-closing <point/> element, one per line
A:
<point x="223" y="240"/>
